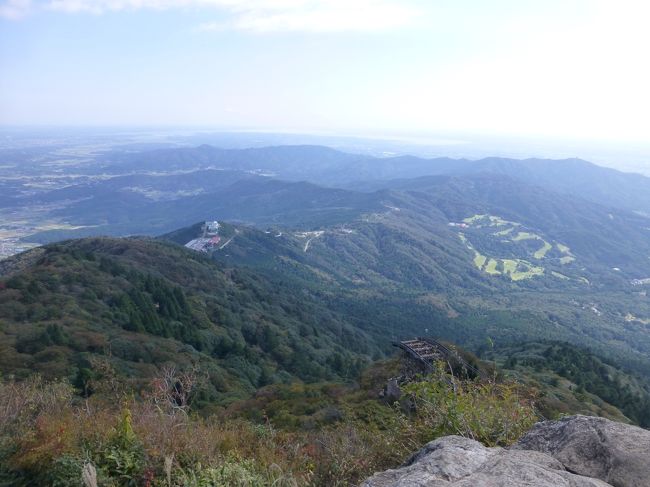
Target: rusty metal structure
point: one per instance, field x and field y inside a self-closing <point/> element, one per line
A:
<point x="427" y="351"/>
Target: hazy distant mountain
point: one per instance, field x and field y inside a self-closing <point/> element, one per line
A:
<point x="610" y="238"/>
<point x="256" y="200"/>
<point x="327" y="166"/>
<point x="601" y="185"/>
<point x="156" y="191"/>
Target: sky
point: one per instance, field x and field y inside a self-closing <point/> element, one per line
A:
<point x="551" y="68"/>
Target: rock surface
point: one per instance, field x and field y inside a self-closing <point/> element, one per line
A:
<point x="577" y="451"/>
<point x="596" y="447"/>
<point x="392" y="391"/>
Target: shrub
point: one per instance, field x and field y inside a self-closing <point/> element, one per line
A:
<point x="489" y="412"/>
<point x="228" y="474"/>
<point x="153" y="438"/>
<point x="123" y="457"/>
<point x="21" y="403"/>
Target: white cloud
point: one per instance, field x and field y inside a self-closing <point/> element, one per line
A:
<point x="331" y="16"/>
<point x="258" y="16"/>
<point x="585" y="79"/>
<point x="15" y="9"/>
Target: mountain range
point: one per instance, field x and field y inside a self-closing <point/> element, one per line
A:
<point x="154" y="192"/>
<point x="324" y="254"/>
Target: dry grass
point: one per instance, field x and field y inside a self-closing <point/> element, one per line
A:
<point x="117" y="439"/>
<point x="46" y="426"/>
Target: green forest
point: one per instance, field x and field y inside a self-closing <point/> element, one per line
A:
<point x="263" y="377"/>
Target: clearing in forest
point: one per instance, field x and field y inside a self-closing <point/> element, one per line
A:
<point x="516" y="266"/>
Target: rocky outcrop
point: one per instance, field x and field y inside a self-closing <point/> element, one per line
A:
<point x="391" y="392"/>
<point x="577" y="451"/>
<point x="596" y="447"/>
<point x="461" y="462"/>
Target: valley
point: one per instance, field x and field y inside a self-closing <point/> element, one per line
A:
<point x="278" y="300"/>
<point x="509" y="258"/>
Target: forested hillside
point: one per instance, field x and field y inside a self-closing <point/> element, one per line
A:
<point x="279" y="318"/>
<point x="469" y="259"/>
<point x="575" y="379"/>
<point x="110" y="343"/>
<point x="139" y="304"/>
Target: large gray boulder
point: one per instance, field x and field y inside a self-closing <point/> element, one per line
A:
<point x="595" y="447"/>
<point x="461" y="462"/>
<point x="578" y="451"/>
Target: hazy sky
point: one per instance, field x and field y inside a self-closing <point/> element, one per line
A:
<point x="552" y="68"/>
